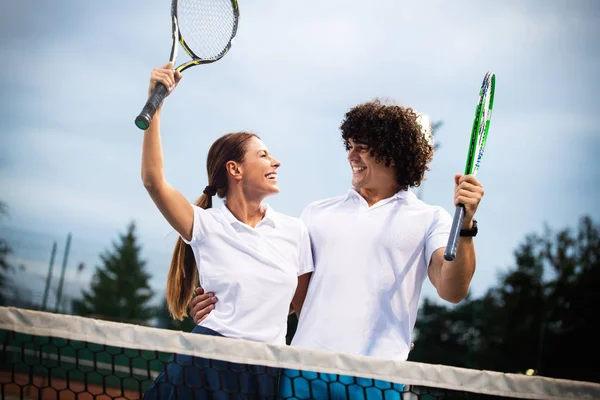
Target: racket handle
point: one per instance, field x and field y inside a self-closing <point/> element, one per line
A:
<point x="450" y="253"/>
<point x="157" y="96"/>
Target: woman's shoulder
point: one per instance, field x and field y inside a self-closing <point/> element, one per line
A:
<point x="209" y="215"/>
<point x="215" y="211"/>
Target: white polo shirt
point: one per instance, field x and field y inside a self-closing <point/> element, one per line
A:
<point x="252" y="271"/>
<point x="370" y="264"/>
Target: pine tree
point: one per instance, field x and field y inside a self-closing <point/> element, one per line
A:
<point x="5" y="251"/>
<point x="120" y="289"/>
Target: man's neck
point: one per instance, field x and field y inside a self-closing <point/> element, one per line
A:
<point x="246" y="211"/>
<point x="374" y="195"/>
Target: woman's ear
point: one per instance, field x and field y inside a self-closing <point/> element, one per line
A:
<point x="233" y="169"/>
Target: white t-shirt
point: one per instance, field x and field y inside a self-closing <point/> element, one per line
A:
<point x="252" y="271"/>
<point x="370" y="264"/>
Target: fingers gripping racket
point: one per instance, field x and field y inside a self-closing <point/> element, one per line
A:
<point x="205" y="29"/>
<point x="481" y="125"/>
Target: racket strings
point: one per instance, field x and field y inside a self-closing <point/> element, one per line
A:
<point x="484" y="120"/>
<point x="206" y="26"/>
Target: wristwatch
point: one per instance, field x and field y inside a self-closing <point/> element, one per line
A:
<point x="470" y="232"/>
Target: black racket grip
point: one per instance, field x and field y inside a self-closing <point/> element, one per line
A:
<point x="159" y="93"/>
<point x="459" y="213"/>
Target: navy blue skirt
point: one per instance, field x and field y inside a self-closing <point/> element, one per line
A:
<point x="187" y="377"/>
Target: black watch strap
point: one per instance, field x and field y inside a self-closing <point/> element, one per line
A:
<point x="470" y="232"/>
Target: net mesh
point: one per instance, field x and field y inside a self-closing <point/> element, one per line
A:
<point x="50" y="356"/>
<point x="206" y="27"/>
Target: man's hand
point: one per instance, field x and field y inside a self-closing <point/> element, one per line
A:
<point x="468" y="192"/>
<point x="201" y="305"/>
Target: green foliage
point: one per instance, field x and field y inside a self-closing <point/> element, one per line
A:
<point x="5" y="251"/>
<point x="540" y="314"/>
<point x="120" y="289"/>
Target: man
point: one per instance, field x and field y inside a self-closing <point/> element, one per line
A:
<point x="374" y="246"/>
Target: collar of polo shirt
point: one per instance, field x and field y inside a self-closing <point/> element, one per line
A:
<point x="402" y="194"/>
<point x="269" y="217"/>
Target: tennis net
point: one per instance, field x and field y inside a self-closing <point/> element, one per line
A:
<point x="52" y="356"/>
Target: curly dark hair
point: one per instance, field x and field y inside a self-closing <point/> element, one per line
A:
<point x="392" y="133"/>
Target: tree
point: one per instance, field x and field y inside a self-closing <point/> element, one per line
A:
<point x="539" y="316"/>
<point x="569" y="340"/>
<point x="120" y="289"/>
<point x="442" y="334"/>
<point x="5" y="250"/>
<point x="547" y="305"/>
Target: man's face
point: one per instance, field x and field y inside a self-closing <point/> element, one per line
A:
<point x="367" y="173"/>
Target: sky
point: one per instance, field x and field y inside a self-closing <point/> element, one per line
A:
<point x="75" y="75"/>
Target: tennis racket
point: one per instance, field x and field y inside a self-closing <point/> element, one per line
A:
<point x="481" y="125"/>
<point x="205" y="29"/>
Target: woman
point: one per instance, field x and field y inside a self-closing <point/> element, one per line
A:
<point x="245" y="252"/>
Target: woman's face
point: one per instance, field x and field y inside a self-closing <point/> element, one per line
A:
<point x="259" y="170"/>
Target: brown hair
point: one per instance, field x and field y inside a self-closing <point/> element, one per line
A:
<point x="183" y="274"/>
<point x="393" y="133"/>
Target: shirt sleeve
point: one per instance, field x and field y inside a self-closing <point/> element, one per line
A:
<point x="438" y="233"/>
<point x="305" y="264"/>
<point x="199" y="228"/>
<point x="304" y="216"/>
